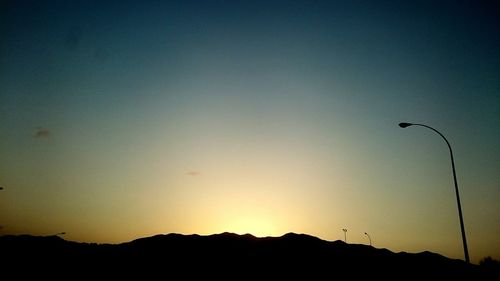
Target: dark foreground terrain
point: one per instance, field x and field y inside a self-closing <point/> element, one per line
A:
<point x="221" y="256"/>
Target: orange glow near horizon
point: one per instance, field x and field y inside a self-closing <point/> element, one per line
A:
<point x="257" y="226"/>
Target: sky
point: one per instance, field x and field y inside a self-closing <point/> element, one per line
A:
<point x="126" y="119"/>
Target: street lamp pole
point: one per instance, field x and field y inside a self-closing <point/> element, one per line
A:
<point x="464" y="240"/>
<point x="345" y="234"/>
<point x="369" y="238"/>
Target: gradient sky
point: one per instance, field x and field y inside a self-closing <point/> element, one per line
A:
<point x="126" y="119"/>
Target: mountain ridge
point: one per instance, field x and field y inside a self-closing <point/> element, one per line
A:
<point x="226" y="254"/>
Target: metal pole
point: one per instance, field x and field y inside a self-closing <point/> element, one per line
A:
<point x="462" y="227"/>
<point x="369" y="238"/>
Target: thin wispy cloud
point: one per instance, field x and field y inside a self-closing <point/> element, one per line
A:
<point x="193" y="173"/>
<point x="42" y="133"/>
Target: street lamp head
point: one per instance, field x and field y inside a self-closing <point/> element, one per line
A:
<point x="404" y="124"/>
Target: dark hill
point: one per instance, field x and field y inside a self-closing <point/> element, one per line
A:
<point x="223" y="255"/>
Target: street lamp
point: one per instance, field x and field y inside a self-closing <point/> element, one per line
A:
<point x="369" y="238"/>
<point x="466" y="251"/>
<point x="345" y="235"/>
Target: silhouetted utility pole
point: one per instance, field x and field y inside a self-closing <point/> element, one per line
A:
<point x="369" y="238"/>
<point x="345" y="234"/>
<point x="464" y="240"/>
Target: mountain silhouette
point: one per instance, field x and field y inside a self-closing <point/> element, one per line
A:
<point x="221" y="256"/>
